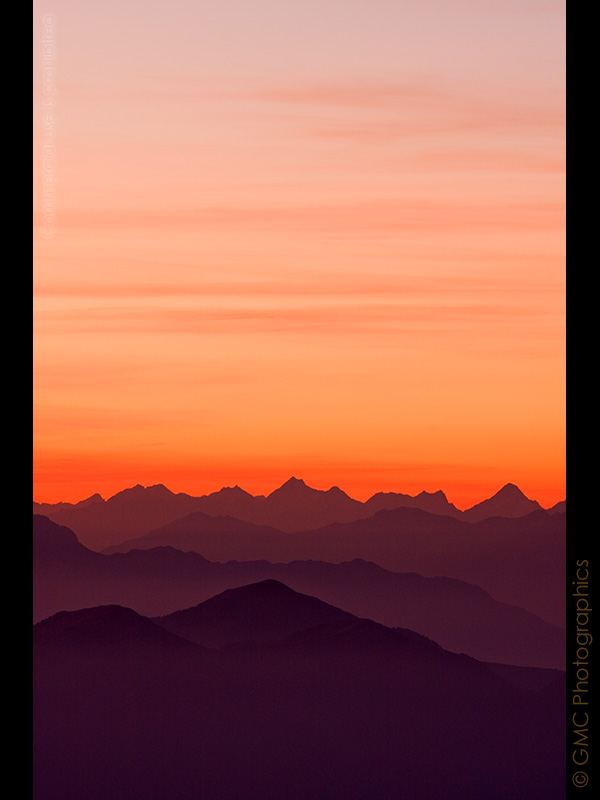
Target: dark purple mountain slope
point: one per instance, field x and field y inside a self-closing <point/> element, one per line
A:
<point x="261" y="612"/>
<point x="459" y="616"/>
<point x="108" y="628"/>
<point x="520" y="561"/>
<point x="432" y="502"/>
<point x="347" y="711"/>
<point x="559" y="508"/>
<point x="232" y="535"/>
<point x="508" y="502"/>
<point x="54" y="542"/>
<point x="68" y="576"/>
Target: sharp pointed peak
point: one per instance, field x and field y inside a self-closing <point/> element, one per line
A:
<point x="93" y="498"/>
<point x="292" y="484"/>
<point x="510" y="489"/>
<point x="509" y="501"/>
<point x="293" y="481"/>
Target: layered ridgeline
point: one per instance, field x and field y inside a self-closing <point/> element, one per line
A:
<point x="219" y="657"/>
<point x="294" y="506"/>
<point x="519" y="560"/>
<point x="264" y="692"/>
<point x="517" y="555"/>
<point x="458" y="615"/>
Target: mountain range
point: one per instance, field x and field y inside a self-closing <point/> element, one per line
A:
<point x="267" y="693"/>
<point x="292" y="507"/>
<point x="302" y="645"/>
<point x="458" y="615"/>
<point x="518" y="560"/>
<point x="517" y="555"/>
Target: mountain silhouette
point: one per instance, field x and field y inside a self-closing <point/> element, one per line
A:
<point x="128" y="513"/>
<point x="293" y="488"/>
<point x="292" y="507"/>
<point x="300" y="645"/>
<point x="518" y="560"/>
<point x="231" y="536"/>
<point x="264" y="611"/>
<point x="106" y="628"/>
<point x="54" y="508"/>
<point x="458" y="615"/>
<point x="559" y="508"/>
<point x="52" y="541"/>
<point x="347" y="710"/>
<point x="508" y="502"/>
<point x="432" y="502"/>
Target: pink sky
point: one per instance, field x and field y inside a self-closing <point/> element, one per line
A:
<point x="322" y="239"/>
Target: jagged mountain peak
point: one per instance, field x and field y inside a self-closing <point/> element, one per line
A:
<point x="510" y="490"/>
<point x="292" y="487"/>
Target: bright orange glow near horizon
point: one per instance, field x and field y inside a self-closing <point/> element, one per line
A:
<point x="330" y="246"/>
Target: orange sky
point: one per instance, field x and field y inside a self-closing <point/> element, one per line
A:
<point x="324" y="240"/>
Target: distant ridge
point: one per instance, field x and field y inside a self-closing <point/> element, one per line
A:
<point x="433" y="502"/>
<point x="260" y="612"/>
<point x="53" y="508"/>
<point x="559" y="508"/>
<point x="55" y="543"/>
<point x="460" y="616"/>
<point x="489" y="553"/>
<point x="508" y="502"/>
<point x="104" y="626"/>
<point x="292" y="507"/>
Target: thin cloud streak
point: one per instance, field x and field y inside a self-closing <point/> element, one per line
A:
<point x="361" y="94"/>
<point x="350" y="286"/>
<point x="396" y="316"/>
<point x="352" y="218"/>
<point x="427" y="104"/>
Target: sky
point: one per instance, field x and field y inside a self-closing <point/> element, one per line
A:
<point x="321" y="239"/>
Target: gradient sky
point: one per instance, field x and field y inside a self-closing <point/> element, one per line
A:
<point x="322" y="239"/>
